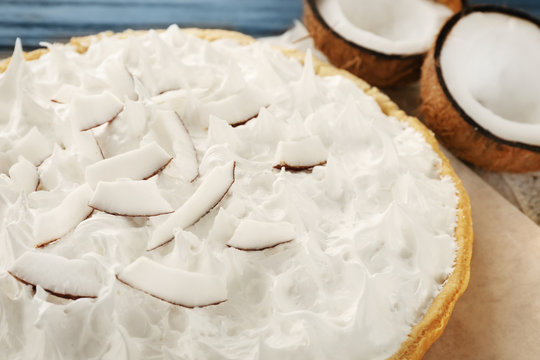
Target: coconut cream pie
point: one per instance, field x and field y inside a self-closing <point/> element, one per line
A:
<point x="199" y="195"/>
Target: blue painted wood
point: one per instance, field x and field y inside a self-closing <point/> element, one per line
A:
<point x="56" y="20"/>
<point x="530" y="6"/>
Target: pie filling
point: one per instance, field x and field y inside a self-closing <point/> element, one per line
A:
<point x="223" y="200"/>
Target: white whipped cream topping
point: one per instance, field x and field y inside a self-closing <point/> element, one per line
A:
<point x="374" y="225"/>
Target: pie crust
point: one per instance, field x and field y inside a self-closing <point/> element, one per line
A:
<point x="431" y="326"/>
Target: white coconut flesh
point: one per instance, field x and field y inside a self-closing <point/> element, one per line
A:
<point x="490" y="64"/>
<point x="392" y="27"/>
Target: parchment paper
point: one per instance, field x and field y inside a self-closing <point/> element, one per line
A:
<point x="498" y="317"/>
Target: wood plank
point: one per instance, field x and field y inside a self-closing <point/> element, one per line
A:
<point x="53" y="20"/>
<point x="57" y="20"/>
<point x="530" y="6"/>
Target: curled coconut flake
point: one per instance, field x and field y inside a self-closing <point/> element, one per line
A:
<point x="70" y="279"/>
<point x="139" y="164"/>
<point x="173" y="285"/>
<point x="300" y="154"/>
<point x="57" y="222"/>
<point x="252" y="235"/>
<point x="119" y="79"/>
<point x="25" y="175"/>
<point x="90" y="111"/>
<point x="34" y="147"/>
<point x="87" y="147"/>
<point x="170" y="132"/>
<point x="238" y="123"/>
<point x="130" y="198"/>
<point x="236" y="109"/>
<point x="212" y="189"/>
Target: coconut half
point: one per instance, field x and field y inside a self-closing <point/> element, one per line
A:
<point x="382" y="41"/>
<point x="481" y="88"/>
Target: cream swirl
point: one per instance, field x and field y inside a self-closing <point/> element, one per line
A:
<point x="374" y="225"/>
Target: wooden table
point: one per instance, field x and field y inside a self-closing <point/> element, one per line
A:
<point x="499" y="315"/>
<point x="56" y="20"/>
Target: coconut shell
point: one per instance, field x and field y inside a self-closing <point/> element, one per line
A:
<point x="376" y="68"/>
<point x="456" y="130"/>
<point x="454" y="5"/>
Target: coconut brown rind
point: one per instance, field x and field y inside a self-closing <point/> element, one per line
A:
<point x="127" y="215"/>
<point x="454" y="5"/>
<point x="49" y="242"/>
<point x="437" y="315"/>
<point x="105" y="122"/>
<point x="64" y="296"/>
<point x="167" y="301"/>
<point x="259" y="249"/>
<point x="376" y="68"/>
<point x="293" y="168"/>
<point x="160" y="170"/>
<point x="243" y="122"/>
<point x="456" y="130"/>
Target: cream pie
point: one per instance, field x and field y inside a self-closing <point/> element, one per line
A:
<point x="195" y="194"/>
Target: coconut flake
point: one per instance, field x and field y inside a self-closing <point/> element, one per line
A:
<point x="34" y="147"/>
<point x="87" y="147"/>
<point x="139" y="164"/>
<point x="173" y="285"/>
<point x="71" y="279"/>
<point x="170" y="132"/>
<point x="25" y="175"/>
<point x="212" y="189"/>
<point x="130" y="198"/>
<point x="90" y="111"/>
<point x="119" y="78"/>
<point x="57" y="222"/>
<point x="300" y="154"/>
<point x="236" y="109"/>
<point x="252" y="235"/>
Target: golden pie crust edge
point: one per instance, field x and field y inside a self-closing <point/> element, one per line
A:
<point x="423" y="334"/>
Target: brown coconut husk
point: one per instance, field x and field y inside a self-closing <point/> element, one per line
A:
<point x="376" y="68"/>
<point x="455" y="129"/>
<point x="454" y="5"/>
